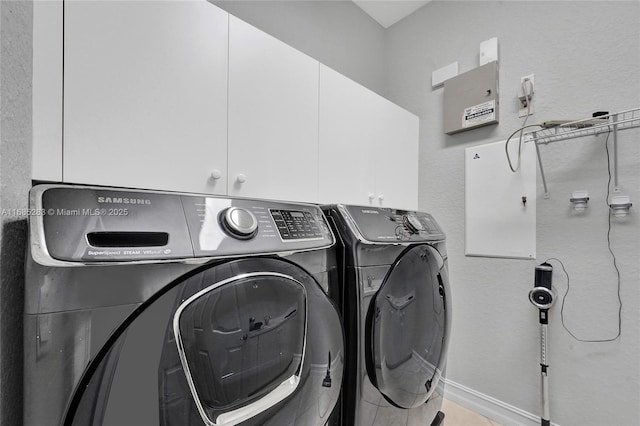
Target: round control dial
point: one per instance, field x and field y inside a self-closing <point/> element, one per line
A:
<point x="239" y="223"/>
<point x="412" y="223"/>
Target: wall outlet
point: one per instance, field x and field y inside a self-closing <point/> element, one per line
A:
<point x="527" y="83"/>
<point x="530" y="78"/>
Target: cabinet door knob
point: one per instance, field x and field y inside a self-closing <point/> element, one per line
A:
<point x="241" y="178"/>
<point x="381" y="198"/>
<point x="371" y="196"/>
<point x="216" y="174"/>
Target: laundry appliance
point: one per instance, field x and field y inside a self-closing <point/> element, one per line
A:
<point x="151" y="308"/>
<point x="396" y="307"/>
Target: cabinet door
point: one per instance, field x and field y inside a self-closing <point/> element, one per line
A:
<point x="396" y="156"/>
<point x="47" y="90"/>
<point x="273" y="117"/>
<point x="145" y="94"/>
<point x="347" y="140"/>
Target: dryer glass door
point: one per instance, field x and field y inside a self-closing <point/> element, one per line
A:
<point x="249" y="342"/>
<point x="407" y="329"/>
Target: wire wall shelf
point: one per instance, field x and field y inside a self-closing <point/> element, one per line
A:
<point x="556" y="131"/>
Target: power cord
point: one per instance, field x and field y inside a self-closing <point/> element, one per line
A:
<point x="528" y="97"/>
<point x="506" y="146"/>
<point x="615" y="265"/>
<point x="563" y="302"/>
<point x="615" y="261"/>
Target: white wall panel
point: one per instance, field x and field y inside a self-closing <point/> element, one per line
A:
<point x="498" y="223"/>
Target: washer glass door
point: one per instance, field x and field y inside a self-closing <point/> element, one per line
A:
<point x="241" y="344"/>
<point x="407" y="328"/>
<point x="233" y="344"/>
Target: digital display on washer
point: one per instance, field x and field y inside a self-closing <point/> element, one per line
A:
<point x="296" y="225"/>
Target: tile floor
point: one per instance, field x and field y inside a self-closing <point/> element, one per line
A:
<point x="457" y="415"/>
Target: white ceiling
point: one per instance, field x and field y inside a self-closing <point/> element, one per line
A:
<point x="388" y="12"/>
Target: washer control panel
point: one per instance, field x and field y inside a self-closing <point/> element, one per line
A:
<point x="296" y="225"/>
<point x="90" y="224"/>
<point x="223" y="226"/>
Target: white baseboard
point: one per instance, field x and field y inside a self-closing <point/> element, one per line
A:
<point x="490" y="407"/>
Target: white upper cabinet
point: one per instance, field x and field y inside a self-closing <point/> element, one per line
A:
<point x="368" y="146"/>
<point x="47" y="90"/>
<point x="181" y="96"/>
<point x="347" y="135"/>
<point x="273" y="117"/>
<point x="397" y="134"/>
<point x="145" y="95"/>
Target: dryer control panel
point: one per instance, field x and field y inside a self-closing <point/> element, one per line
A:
<point x="386" y="225"/>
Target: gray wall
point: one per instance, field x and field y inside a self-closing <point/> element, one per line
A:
<point x="337" y="33"/>
<point x="586" y="57"/>
<point x="15" y="171"/>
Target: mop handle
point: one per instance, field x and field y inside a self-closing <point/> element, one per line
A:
<point x="544" y="420"/>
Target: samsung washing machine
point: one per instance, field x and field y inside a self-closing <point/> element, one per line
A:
<point x="396" y="307"/>
<point x="149" y="308"/>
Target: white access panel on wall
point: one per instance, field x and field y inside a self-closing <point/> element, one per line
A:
<point x="500" y="206"/>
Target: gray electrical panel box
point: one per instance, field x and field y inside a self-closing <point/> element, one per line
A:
<point x="471" y="99"/>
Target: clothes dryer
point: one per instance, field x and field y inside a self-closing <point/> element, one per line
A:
<point x="150" y="308"/>
<point x="396" y="307"/>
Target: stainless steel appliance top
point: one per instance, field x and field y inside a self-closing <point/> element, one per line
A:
<point x="386" y="225"/>
<point x="80" y="225"/>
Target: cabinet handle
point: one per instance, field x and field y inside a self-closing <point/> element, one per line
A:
<point x="216" y="174"/>
<point x="381" y="198"/>
<point x="241" y="178"/>
<point x="371" y="196"/>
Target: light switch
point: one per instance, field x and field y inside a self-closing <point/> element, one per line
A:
<point x="489" y="51"/>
